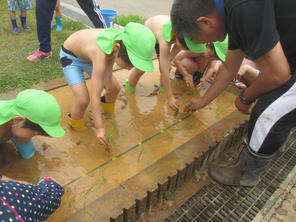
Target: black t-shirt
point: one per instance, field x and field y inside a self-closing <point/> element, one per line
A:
<point x="255" y="26"/>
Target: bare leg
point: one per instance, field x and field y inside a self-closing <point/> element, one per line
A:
<point x="134" y="77"/>
<point x="81" y="100"/>
<point x="12" y="14"/>
<point x="24" y="13"/>
<point x="112" y="88"/>
<point x="58" y="11"/>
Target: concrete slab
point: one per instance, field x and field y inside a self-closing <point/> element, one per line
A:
<point x="139" y="7"/>
<point x="144" y="134"/>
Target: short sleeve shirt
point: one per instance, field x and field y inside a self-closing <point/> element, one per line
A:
<point x="255" y="26"/>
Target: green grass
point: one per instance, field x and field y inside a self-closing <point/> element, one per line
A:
<point x="124" y="19"/>
<point x="15" y="71"/>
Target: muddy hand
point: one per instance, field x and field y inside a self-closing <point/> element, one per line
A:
<point x="173" y="104"/>
<point x="189" y="81"/>
<point x="101" y="135"/>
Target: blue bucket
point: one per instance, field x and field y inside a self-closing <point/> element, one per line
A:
<point x="108" y="15"/>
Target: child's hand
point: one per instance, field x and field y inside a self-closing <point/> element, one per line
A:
<point x="189" y="81"/>
<point x="101" y="135"/>
<point x="173" y="103"/>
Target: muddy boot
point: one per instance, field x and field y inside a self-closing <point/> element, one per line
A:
<point x="78" y="125"/>
<point x="196" y="76"/>
<point x="107" y="107"/>
<point x="178" y="74"/>
<point x="245" y="172"/>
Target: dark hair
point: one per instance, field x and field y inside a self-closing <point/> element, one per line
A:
<point x="123" y="53"/>
<point x="35" y="127"/>
<point x="182" y="41"/>
<point x="185" y="12"/>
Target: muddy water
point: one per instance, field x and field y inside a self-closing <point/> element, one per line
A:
<point x="87" y="170"/>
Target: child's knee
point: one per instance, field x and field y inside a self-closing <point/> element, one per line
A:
<point x="82" y="102"/>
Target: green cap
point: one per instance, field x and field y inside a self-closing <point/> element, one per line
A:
<point x="167" y="32"/>
<point x="221" y="48"/>
<point x="195" y="45"/>
<point x="37" y="106"/>
<point x="138" y="39"/>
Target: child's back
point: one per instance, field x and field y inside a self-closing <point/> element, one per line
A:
<point x="155" y="23"/>
<point x="83" y="44"/>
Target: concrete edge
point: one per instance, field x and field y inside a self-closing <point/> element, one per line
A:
<point x="129" y="202"/>
<point x="280" y="194"/>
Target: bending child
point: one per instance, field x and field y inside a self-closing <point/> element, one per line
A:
<point x="94" y="51"/>
<point x="31" y="113"/>
<point x="162" y="29"/>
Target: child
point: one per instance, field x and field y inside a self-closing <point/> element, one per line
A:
<point x="23" y="6"/>
<point x="58" y="17"/>
<point x="20" y="201"/>
<point x="200" y="62"/>
<point x="94" y="51"/>
<point x="32" y="112"/>
<point x="162" y="29"/>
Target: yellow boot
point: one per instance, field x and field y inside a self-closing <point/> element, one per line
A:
<point x="78" y="125"/>
<point x="107" y="107"/>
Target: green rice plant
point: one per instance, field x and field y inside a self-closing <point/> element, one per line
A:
<point x="167" y="195"/>
<point x="125" y="19"/>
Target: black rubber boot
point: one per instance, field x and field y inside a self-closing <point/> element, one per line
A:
<point x="245" y="172"/>
<point x="196" y="76"/>
<point x="178" y="74"/>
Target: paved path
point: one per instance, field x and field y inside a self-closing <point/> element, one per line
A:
<point x="140" y="7"/>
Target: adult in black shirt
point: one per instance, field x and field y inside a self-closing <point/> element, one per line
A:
<point x="264" y="31"/>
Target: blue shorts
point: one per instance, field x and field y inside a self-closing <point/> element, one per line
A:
<point x="19" y="5"/>
<point x="73" y="67"/>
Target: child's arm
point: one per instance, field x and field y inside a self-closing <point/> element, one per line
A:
<point x="97" y="85"/>
<point x="164" y="66"/>
<point x="187" y="76"/>
<point x="210" y="72"/>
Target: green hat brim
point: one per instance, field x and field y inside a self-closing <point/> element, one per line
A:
<point x="10" y="109"/>
<point x="140" y="64"/>
<point x="221" y="48"/>
<point x="167" y="31"/>
<point x="195" y="45"/>
<point x="54" y="131"/>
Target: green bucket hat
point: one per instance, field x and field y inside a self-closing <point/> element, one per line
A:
<point x="37" y="106"/>
<point x="138" y="39"/>
<point x="195" y="45"/>
<point x="167" y="32"/>
<point x="221" y="48"/>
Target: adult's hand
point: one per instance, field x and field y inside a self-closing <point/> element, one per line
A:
<point x="193" y="105"/>
<point x="243" y="108"/>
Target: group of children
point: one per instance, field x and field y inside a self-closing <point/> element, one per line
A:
<point x="94" y="51"/>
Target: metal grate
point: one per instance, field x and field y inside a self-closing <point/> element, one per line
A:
<point x="217" y="202"/>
